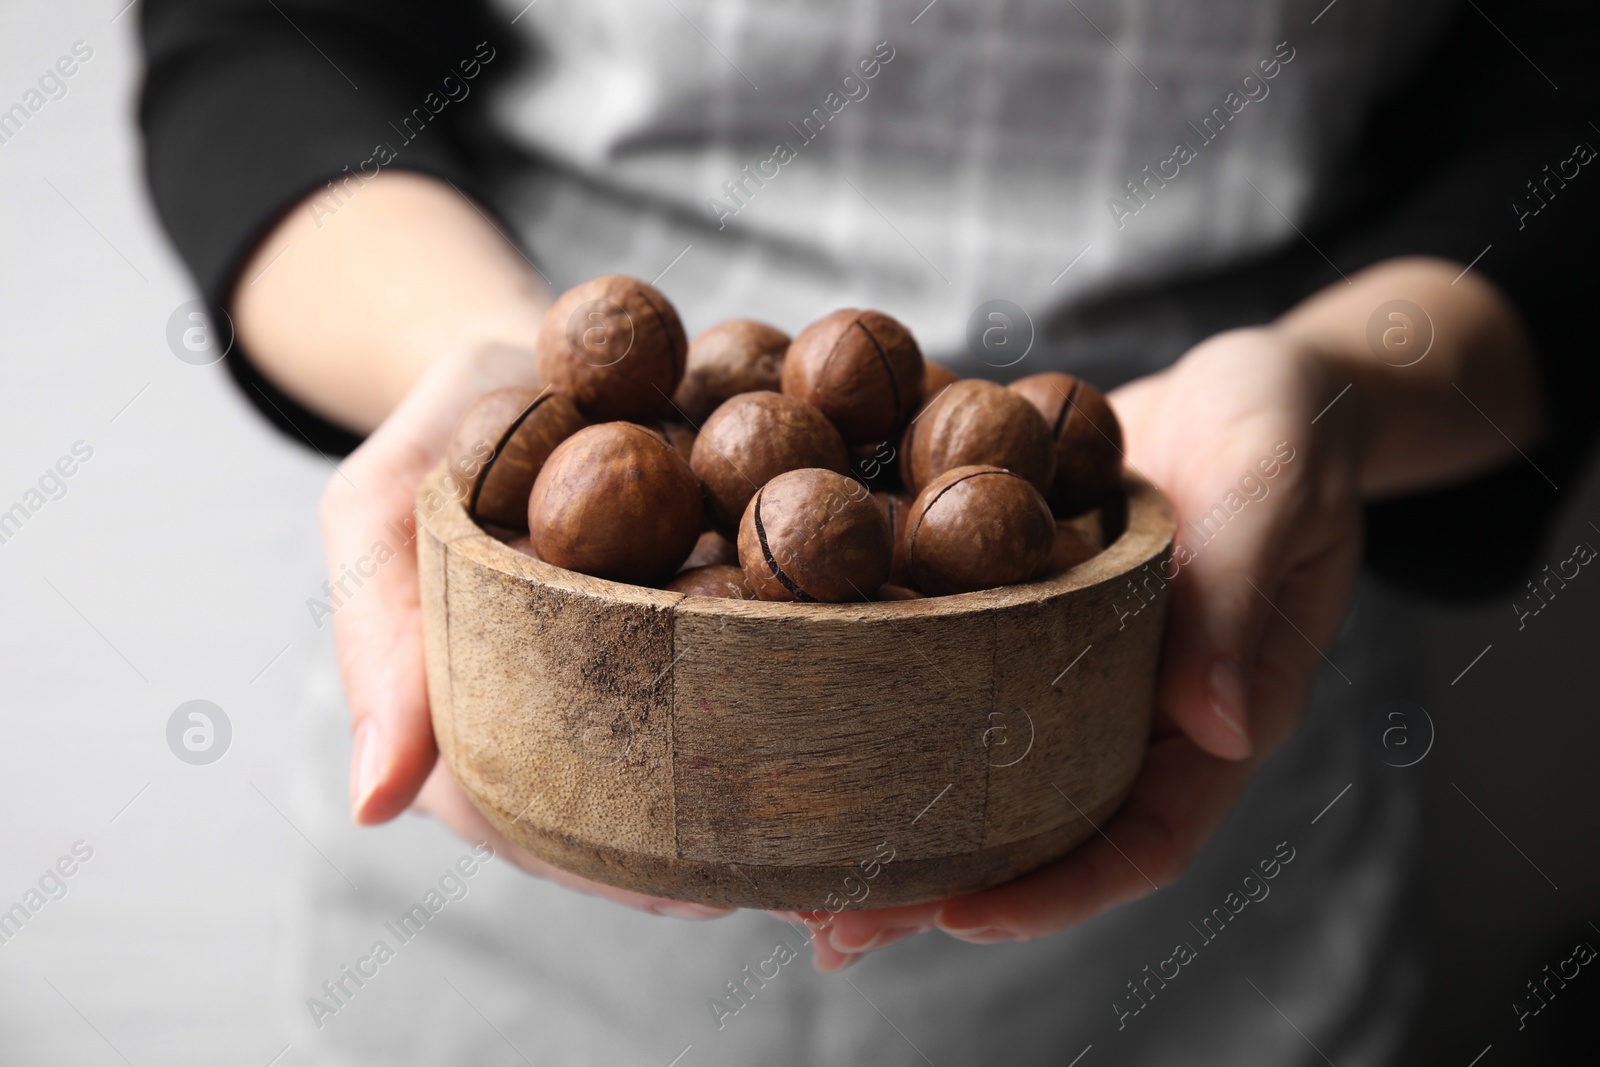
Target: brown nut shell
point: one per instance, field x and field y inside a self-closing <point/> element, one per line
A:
<point x="936" y="378"/>
<point x="676" y="434"/>
<point x="615" y="345"/>
<point x="753" y="438"/>
<point x="615" y="501"/>
<point x="862" y="369"/>
<point x="814" y="535"/>
<point x="1087" y="435"/>
<point x="897" y="592"/>
<point x="977" y="422"/>
<point x="1092" y="524"/>
<point x="524" y="544"/>
<point x="712" y="548"/>
<point x="896" y="507"/>
<point x="733" y="357"/>
<point x="716" y="580"/>
<point x="501" y="442"/>
<point x="978" y="527"/>
<point x="1072" y="547"/>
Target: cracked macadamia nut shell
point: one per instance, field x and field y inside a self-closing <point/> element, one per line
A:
<point x="676" y="434"/>
<point x="615" y="501"/>
<point x="524" y="544"/>
<point x="1087" y="436"/>
<point x="1072" y="547"/>
<point x="978" y="527"/>
<point x="717" y="580"/>
<point x="500" y="444"/>
<point x="616" y="346"/>
<point x="710" y="549"/>
<point x="814" y="535"/>
<point x="974" y="421"/>
<point x="862" y="369"/>
<point x="733" y="357"/>
<point x="896" y="508"/>
<point x="753" y="438"/>
<point x="936" y="377"/>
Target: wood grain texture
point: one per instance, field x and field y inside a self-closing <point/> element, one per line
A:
<point x="822" y="745"/>
<point x="562" y="699"/>
<point x="753" y="754"/>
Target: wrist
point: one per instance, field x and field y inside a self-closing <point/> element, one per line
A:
<point x="346" y="317"/>
<point x="1441" y="378"/>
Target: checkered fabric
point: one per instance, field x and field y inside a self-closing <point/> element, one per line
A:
<point x="989" y="155"/>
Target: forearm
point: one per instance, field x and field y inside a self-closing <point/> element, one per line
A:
<point x="1462" y="408"/>
<point x="345" y="315"/>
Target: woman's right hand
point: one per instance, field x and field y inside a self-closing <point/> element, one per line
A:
<point x="369" y="506"/>
<point x="391" y="315"/>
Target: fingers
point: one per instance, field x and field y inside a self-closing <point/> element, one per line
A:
<point x="377" y="628"/>
<point x="443" y="798"/>
<point x="369" y="527"/>
<point x="1220" y="548"/>
<point x="1308" y="608"/>
<point x="1183" y="793"/>
<point x="1215" y="619"/>
<point x="1286" y="570"/>
<point x="838" y="940"/>
<point x="861" y="931"/>
<point x="1181" y="797"/>
<point x="830" y="960"/>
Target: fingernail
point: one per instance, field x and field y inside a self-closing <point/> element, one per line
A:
<point x="366" y="758"/>
<point x="682" y="909"/>
<point x="1228" y="696"/>
<point x="852" y="941"/>
<point x="984" y="935"/>
<point x="816" y="931"/>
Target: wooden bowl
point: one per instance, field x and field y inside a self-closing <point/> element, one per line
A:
<point x="791" y="756"/>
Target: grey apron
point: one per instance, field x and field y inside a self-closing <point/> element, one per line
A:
<point x="777" y="161"/>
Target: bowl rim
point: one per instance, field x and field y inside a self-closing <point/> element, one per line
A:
<point x="1148" y="533"/>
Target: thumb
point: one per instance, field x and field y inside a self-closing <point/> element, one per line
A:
<point x="1217" y="615"/>
<point x="1214" y="617"/>
<point x="377" y="630"/>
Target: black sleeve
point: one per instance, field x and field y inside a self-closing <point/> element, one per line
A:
<point x="1457" y="165"/>
<point x="248" y="106"/>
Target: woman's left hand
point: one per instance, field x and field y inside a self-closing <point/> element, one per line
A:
<point x="1234" y="425"/>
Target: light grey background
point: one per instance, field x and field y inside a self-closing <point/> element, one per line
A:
<point x="177" y="567"/>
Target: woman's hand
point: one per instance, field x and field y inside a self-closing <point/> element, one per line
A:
<point x="1228" y="427"/>
<point x="392" y="315"/>
<point x="1267" y="458"/>
<point x="377" y="626"/>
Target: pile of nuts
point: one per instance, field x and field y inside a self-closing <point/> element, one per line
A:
<point x="836" y="466"/>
